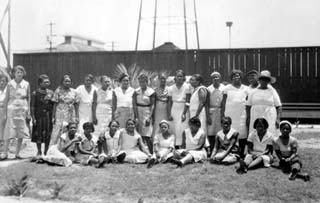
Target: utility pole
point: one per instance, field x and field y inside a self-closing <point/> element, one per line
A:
<point x="113" y="45"/>
<point x="50" y="37"/>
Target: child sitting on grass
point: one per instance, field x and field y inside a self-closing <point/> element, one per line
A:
<point x="109" y="145"/>
<point x="286" y="148"/>
<point x="259" y="147"/>
<point x="86" y="148"/>
<point x="225" y="149"/>
<point x="193" y="144"/>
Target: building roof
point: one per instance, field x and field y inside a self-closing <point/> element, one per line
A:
<point x="84" y="38"/>
<point x="166" y="47"/>
<point x="75" y="47"/>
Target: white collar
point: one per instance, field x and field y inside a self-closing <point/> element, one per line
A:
<point x="23" y="84"/>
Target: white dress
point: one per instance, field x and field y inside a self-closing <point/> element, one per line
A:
<point x="216" y="96"/>
<point x="163" y="144"/>
<point x="103" y="110"/>
<point x="112" y="143"/>
<point x="85" y="105"/>
<point x="192" y="143"/>
<point x="124" y="105"/>
<point x="263" y="104"/>
<point x="236" y="108"/>
<point x="2" y="116"/>
<point x="194" y="104"/>
<point x="178" y="103"/>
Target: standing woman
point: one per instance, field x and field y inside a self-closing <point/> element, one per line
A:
<point x="65" y="109"/>
<point x="234" y="106"/>
<point x="198" y="101"/>
<point x="102" y="112"/>
<point x="264" y="102"/>
<point x="178" y="106"/>
<point x="143" y="100"/>
<point x="85" y="94"/>
<point x="3" y="90"/>
<point x="161" y="104"/>
<point x="122" y="102"/>
<point x="17" y="109"/>
<point x="41" y="109"/>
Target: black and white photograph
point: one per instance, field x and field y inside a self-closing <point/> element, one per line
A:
<point x="159" y="101"/>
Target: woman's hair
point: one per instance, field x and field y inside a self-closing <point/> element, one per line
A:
<point x="285" y="122"/>
<point x="90" y="76"/>
<point x="160" y="75"/>
<point x="123" y="75"/>
<point x="20" y="68"/>
<point x="262" y="121"/>
<point x="4" y="76"/>
<point x="234" y="72"/>
<point x="180" y="71"/>
<point x="71" y="123"/>
<point x="41" y="78"/>
<point x="226" y="118"/>
<point x="88" y="125"/>
<point x="64" y="77"/>
<point x="132" y="120"/>
<point x="104" y="77"/>
<point x="113" y="121"/>
<point x="198" y="78"/>
<point x="195" y="121"/>
<point x="143" y="77"/>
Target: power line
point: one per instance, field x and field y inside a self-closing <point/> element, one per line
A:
<point x="51" y="36"/>
<point x="113" y="45"/>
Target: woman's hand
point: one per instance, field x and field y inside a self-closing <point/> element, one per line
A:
<point x="147" y="122"/>
<point x="53" y="120"/>
<point x="94" y="120"/>
<point x="277" y="123"/>
<point x="183" y="117"/>
<point x="170" y="118"/>
<point x="209" y="120"/>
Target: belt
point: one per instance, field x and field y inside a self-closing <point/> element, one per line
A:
<point x="144" y="105"/>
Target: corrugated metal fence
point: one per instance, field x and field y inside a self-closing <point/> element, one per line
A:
<point x="296" y="68"/>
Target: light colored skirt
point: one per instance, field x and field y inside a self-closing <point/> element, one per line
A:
<point x="162" y="152"/>
<point x="55" y="156"/>
<point x="229" y="159"/>
<point x="123" y="114"/>
<point x="85" y="115"/>
<point x="143" y="115"/>
<point x="135" y="156"/>
<point x="267" y="112"/>
<point x="215" y="127"/>
<point x="197" y="155"/>
<point x="238" y="115"/>
<point x="159" y="115"/>
<point x="104" y="116"/>
<point x="177" y="126"/>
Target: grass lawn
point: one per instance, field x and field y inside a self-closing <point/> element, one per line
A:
<point x="166" y="183"/>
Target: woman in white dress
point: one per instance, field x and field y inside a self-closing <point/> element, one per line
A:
<point x="215" y="99"/>
<point x="122" y="101"/>
<point x="102" y="106"/>
<point x="178" y="106"/>
<point x="234" y="106"/>
<point x="132" y="144"/>
<point x="193" y="144"/>
<point x="85" y="95"/>
<point x="143" y="99"/>
<point x="264" y="102"/>
<point x="3" y="90"/>
<point x="17" y="110"/>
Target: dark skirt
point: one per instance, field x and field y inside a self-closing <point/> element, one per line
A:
<point x="41" y="131"/>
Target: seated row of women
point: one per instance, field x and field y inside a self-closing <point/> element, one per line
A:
<point x="126" y="145"/>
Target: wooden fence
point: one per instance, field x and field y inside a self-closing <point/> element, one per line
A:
<point x="296" y="68"/>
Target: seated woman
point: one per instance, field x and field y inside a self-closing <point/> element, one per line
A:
<point x="132" y="145"/>
<point x="63" y="153"/>
<point x="87" y="147"/>
<point x="193" y="144"/>
<point x="109" y="145"/>
<point x="259" y="147"/>
<point x="163" y="144"/>
<point x="286" y="148"/>
<point x="225" y="149"/>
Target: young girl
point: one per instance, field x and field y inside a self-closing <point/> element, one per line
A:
<point x="193" y="144"/>
<point x="163" y="144"/>
<point x="86" y="148"/>
<point x="259" y="147"/>
<point x="64" y="153"/>
<point x="41" y="109"/>
<point x="109" y="145"/>
<point x="132" y="144"/>
<point x="286" y="148"/>
<point x="225" y="149"/>
<point x="17" y="108"/>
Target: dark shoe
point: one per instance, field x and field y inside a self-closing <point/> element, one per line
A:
<point x="213" y="161"/>
<point x="304" y="176"/>
<point x="151" y="162"/>
<point x="177" y="162"/>
<point x="243" y="166"/>
<point x="293" y="174"/>
<point x="121" y="157"/>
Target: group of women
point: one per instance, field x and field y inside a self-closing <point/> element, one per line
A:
<point x="182" y="123"/>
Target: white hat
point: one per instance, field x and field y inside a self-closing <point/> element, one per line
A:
<point x="267" y="74"/>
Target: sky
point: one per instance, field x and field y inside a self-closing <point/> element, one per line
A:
<point x="256" y="23"/>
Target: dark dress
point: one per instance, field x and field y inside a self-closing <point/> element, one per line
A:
<point x="43" y="106"/>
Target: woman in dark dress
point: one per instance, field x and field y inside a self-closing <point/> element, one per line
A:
<point x="42" y="106"/>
